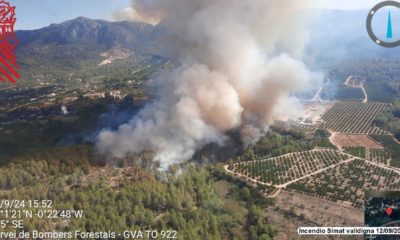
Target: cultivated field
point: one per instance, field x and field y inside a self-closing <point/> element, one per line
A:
<point x="323" y="173"/>
<point x="348" y="181"/>
<point x="392" y="147"/>
<point x="283" y="169"/>
<point x="302" y="127"/>
<point x="356" y="151"/>
<point x="380" y="156"/>
<point x="354" y="117"/>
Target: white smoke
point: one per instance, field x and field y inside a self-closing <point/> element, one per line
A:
<point x="239" y="66"/>
<point x="64" y="110"/>
<point x="130" y="14"/>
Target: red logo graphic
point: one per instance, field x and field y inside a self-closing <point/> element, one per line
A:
<point x="389" y="211"/>
<point x="8" y="43"/>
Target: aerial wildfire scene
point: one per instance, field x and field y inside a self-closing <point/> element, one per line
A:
<point x="197" y="119"/>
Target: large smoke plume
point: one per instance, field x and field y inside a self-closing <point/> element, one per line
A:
<point x="238" y="67"/>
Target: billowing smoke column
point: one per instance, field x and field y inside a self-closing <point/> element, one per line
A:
<point x="237" y="69"/>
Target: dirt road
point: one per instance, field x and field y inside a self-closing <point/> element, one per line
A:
<point x="361" y="85"/>
<point x="292" y="181"/>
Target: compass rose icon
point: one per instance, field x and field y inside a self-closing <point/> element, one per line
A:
<point x="388" y="40"/>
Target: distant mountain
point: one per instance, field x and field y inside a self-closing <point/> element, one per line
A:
<point x="70" y="43"/>
<point x="83" y="31"/>
<point x="335" y="36"/>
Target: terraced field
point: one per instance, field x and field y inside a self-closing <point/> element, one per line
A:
<point x="348" y="181"/>
<point x="354" y="117"/>
<point x="283" y="169"/>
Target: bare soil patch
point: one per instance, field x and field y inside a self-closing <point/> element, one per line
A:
<point x="350" y="140"/>
<point x="314" y="212"/>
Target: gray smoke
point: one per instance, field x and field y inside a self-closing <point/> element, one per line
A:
<point x="239" y="65"/>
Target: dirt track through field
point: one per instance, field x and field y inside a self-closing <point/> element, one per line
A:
<point x="361" y="85"/>
<point x="365" y="94"/>
<point x="292" y="181"/>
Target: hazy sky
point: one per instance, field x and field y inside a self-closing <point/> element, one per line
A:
<point x="33" y="14"/>
<point x="350" y="4"/>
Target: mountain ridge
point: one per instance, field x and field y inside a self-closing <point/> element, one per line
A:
<point x="81" y="41"/>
